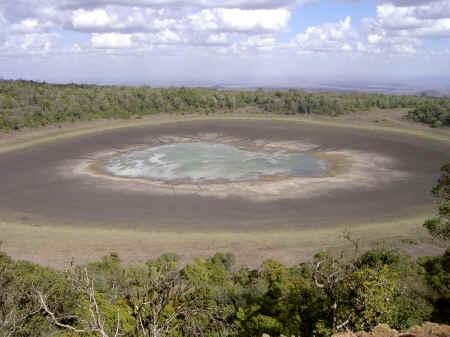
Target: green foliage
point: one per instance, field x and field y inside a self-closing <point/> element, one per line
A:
<point x="374" y="295"/>
<point x="33" y="104"/>
<point x="213" y="297"/>
<point x="388" y="288"/>
<point x="437" y="273"/>
<point x="439" y="227"/>
<point x="378" y="257"/>
<point x="275" y="300"/>
<point x="442" y="193"/>
<point x="19" y="308"/>
<point x="110" y="276"/>
<point x="435" y="113"/>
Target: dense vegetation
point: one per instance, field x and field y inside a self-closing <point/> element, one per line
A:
<point x="32" y="104"/>
<point x="435" y="113"/>
<point x="213" y="297"/>
<point x="439" y="226"/>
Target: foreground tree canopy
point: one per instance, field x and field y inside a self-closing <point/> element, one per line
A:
<point x="214" y="297"/>
<point x="32" y="104"/>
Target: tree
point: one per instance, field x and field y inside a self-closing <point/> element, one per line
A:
<point x="94" y="314"/>
<point x="32" y="104"/>
<point x="374" y="292"/>
<point x="331" y="274"/>
<point x="439" y="227"/>
<point x="212" y="297"/>
<point x="20" y="310"/>
<point x="398" y="291"/>
<point x="437" y="273"/>
<point x="164" y="304"/>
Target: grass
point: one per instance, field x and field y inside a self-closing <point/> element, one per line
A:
<point x="56" y="246"/>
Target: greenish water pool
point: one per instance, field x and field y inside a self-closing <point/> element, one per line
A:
<point x="203" y="161"/>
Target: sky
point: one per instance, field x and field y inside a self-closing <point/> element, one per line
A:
<point x="235" y="42"/>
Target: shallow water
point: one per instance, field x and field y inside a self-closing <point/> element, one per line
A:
<point x="202" y="161"/>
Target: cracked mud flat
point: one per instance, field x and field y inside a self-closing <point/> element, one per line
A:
<point x="374" y="176"/>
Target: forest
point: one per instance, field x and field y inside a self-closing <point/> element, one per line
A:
<point x="34" y="104"/>
<point x="435" y="114"/>
<point x="215" y="296"/>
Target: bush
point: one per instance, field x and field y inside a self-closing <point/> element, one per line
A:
<point x="436" y="113"/>
<point x="33" y="104"/>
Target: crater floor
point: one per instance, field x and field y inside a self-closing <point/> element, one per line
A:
<point x="379" y="176"/>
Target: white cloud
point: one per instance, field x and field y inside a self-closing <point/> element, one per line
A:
<point x="217" y="39"/>
<point x="39" y="42"/>
<point x="263" y="43"/>
<point x="428" y="20"/>
<point x="393" y="17"/>
<point x="111" y="40"/>
<point x="239" y="20"/>
<point x="164" y="37"/>
<point x="439" y="28"/>
<point x="255" y="43"/>
<point x="76" y="48"/>
<point x="131" y="20"/>
<point x="245" y="20"/>
<point x="328" y="37"/>
<point x="402" y="26"/>
<point x="26" y="26"/>
<point x="34" y="43"/>
<point x="91" y="20"/>
<point x="225" y="26"/>
<point x="136" y="41"/>
<point x="244" y="4"/>
<point x="374" y="38"/>
<point x="117" y="19"/>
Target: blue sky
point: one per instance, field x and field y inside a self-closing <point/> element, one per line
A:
<point x="315" y="13"/>
<point x="262" y="42"/>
